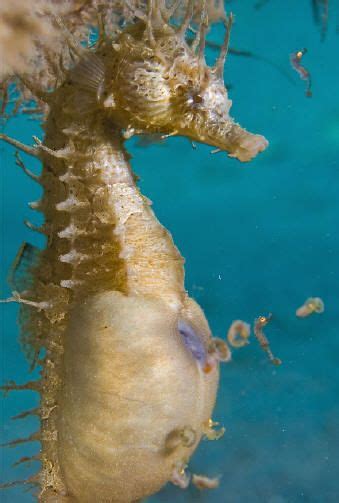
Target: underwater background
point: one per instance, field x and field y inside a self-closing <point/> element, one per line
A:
<point x="258" y="238"/>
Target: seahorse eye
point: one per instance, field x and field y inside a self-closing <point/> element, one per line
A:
<point x="192" y="341"/>
<point x="197" y="99"/>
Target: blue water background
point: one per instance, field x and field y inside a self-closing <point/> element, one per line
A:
<point x="257" y="238"/>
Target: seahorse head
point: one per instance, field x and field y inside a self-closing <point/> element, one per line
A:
<point x="159" y="82"/>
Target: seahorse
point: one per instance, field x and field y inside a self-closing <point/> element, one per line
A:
<point x="129" y="365"/>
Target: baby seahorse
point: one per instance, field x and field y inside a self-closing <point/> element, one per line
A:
<point x="125" y="397"/>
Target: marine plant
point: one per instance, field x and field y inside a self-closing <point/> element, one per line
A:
<point x="103" y="307"/>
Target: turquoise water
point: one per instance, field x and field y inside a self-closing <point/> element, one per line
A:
<point x="257" y="238"/>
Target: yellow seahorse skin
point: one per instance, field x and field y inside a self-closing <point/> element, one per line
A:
<point x="130" y="370"/>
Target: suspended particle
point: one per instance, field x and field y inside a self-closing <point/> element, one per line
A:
<point x="238" y="334"/>
<point x="310" y="306"/>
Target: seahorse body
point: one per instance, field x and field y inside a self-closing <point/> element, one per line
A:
<point x="126" y="377"/>
<point x="130" y="374"/>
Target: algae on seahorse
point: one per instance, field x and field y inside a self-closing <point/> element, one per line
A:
<point x="130" y="370"/>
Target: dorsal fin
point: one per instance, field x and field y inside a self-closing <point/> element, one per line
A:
<point x="89" y="74"/>
<point x="19" y="277"/>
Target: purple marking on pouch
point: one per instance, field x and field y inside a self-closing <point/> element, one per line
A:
<point x="192" y="341"/>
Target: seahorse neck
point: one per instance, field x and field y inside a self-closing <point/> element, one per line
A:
<point x="102" y="231"/>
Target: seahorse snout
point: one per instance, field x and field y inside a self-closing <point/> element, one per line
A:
<point x="248" y="146"/>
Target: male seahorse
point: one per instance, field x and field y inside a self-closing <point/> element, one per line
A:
<point x="129" y="367"/>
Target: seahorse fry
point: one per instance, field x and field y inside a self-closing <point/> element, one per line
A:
<point x="129" y="365"/>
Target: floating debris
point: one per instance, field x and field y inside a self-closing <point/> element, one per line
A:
<point x="201" y="482"/>
<point x="310" y="306"/>
<point x="304" y="74"/>
<point x="259" y="323"/>
<point x="238" y="334"/>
